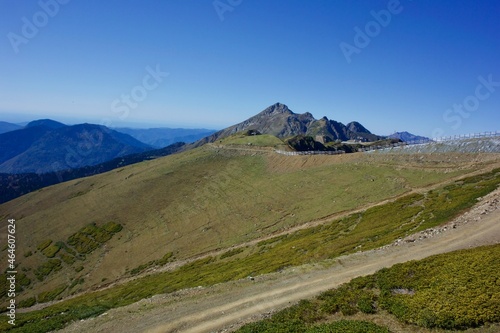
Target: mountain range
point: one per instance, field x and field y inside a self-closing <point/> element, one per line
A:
<point x="280" y="121"/>
<point x="43" y="149"/>
<point x="162" y="137"/>
<point x="46" y="145"/>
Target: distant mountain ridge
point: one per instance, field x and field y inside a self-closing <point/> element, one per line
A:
<point x="408" y="137"/>
<point x="46" y="146"/>
<point x="15" y="185"/>
<point x="280" y="121"/>
<point x="49" y="123"/>
<point x="8" y="127"/>
<point x="162" y="137"/>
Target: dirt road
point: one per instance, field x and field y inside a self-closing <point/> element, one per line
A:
<point x="227" y="306"/>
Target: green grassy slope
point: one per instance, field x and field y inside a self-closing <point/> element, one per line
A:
<point x="376" y="226"/>
<point x="186" y="204"/>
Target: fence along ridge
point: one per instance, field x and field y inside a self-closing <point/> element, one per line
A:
<point x="436" y="140"/>
<point x="310" y="152"/>
<point x="398" y="144"/>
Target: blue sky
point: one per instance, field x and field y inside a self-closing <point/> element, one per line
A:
<point x="428" y="67"/>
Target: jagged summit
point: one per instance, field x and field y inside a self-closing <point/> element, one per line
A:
<point x="280" y="121"/>
<point x="277" y="108"/>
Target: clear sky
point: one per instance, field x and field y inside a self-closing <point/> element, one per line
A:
<point x="429" y="67"/>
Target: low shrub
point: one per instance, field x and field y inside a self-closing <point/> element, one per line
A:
<point x="51" y="250"/>
<point x="231" y="253"/>
<point x="44" y="244"/>
<point x="51" y="295"/>
<point x="348" y="326"/>
<point x="46" y="268"/>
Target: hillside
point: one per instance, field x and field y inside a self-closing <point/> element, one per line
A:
<point x="200" y="200"/>
<point x="280" y="121"/>
<point x="294" y="297"/>
<point x="48" y="146"/>
<point x="195" y="249"/>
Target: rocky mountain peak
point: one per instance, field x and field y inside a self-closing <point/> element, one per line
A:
<point x="280" y="121"/>
<point x="276" y="109"/>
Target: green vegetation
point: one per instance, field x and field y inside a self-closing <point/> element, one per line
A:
<point x="231" y="253"/>
<point x="90" y="237"/>
<point x="50" y="295"/>
<point x="84" y="241"/>
<point x="306" y="316"/>
<point x="305" y="143"/>
<point x="348" y="326"/>
<point x="44" y="244"/>
<point x="374" y="227"/>
<point x="76" y="282"/>
<point x="249" y="139"/>
<point x="343" y="326"/>
<point x="160" y="262"/>
<point x="349" y="299"/>
<point x="68" y="259"/>
<point x="46" y="268"/>
<point x="457" y="290"/>
<point x="216" y="198"/>
<point x="26" y="303"/>
<point x="22" y="281"/>
<point x="308" y="143"/>
<point x="112" y="227"/>
<point x="51" y="250"/>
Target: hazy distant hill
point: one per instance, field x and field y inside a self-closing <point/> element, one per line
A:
<point x="47" y="146"/>
<point x="16" y="185"/>
<point x="162" y="137"/>
<point x="408" y="137"/>
<point x="7" y="127"/>
<point x="49" y="123"/>
<point x="280" y="121"/>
